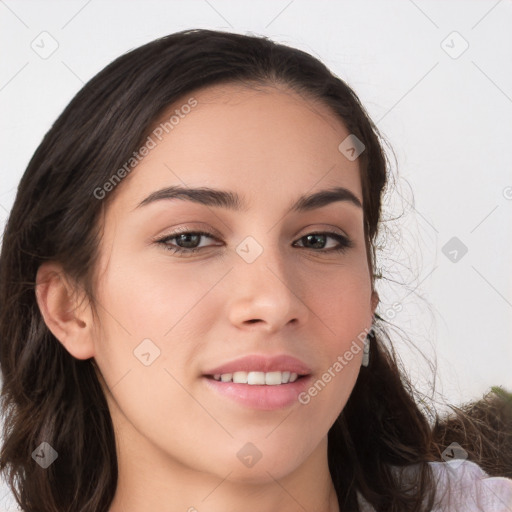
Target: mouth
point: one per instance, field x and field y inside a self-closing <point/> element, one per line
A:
<point x="256" y="378"/>
<point x="264" y="391"/>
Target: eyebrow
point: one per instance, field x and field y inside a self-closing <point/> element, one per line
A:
<point x="232" y="201"/>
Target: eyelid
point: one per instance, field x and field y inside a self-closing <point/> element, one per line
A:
<point x="214" y="233"/>
<point x="172" y="232"/>
<point x="330" y="227"/>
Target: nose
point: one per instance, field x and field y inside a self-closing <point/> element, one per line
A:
<point x="268" y="294"/>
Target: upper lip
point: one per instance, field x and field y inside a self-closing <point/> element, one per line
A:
<point x="262" y="363"/>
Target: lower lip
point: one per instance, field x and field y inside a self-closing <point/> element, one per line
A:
<point x="262" y="397"/>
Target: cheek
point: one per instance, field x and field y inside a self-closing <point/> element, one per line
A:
<point x="340" y="295"/>
<point x="151" y="296"/>
<point x="154" y="311"/>
<point x="344" y="313"/>
<point x="341" y="302"/>
<point x="148" y="337"/>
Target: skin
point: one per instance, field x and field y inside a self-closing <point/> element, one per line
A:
<point x="177" y="441"/>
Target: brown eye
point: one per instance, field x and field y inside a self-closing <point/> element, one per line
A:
<point x="318" y="241"/>
<point x="187" y="241"/>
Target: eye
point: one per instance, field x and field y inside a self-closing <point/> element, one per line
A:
<point x="188" y="238"/>
<point x="344" y="243"/>
<point x="187" y="242"/>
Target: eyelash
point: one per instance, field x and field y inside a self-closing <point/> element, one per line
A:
<point x="345" y="242"/>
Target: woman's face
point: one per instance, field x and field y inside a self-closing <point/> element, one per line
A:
<point x="257" y="285"/>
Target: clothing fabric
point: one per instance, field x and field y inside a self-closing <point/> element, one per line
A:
<point x="463" y="486"/>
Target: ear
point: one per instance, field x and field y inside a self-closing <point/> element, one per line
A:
<point x="67" y="314"/>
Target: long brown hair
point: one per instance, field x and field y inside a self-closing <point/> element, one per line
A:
<point x="49" y="396"/>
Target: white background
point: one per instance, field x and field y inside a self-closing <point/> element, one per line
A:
<point x="448" y="120"/>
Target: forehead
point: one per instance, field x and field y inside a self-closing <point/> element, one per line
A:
<point x="269" y="143"/>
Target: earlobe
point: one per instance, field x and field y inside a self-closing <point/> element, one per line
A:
<point x="64" y="314"/>
<point x="375" y="301"/>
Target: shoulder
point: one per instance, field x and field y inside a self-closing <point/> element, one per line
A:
<point x="462" y="486"/>
<point x="465" y="486"/>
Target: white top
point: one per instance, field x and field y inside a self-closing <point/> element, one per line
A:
<point x="463" y="486"/>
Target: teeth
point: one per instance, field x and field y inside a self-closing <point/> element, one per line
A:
<point x="257" y="378"/>
<point x="240" y="377"/>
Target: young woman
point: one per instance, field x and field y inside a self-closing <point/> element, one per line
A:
<point x="188" y="306"/>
